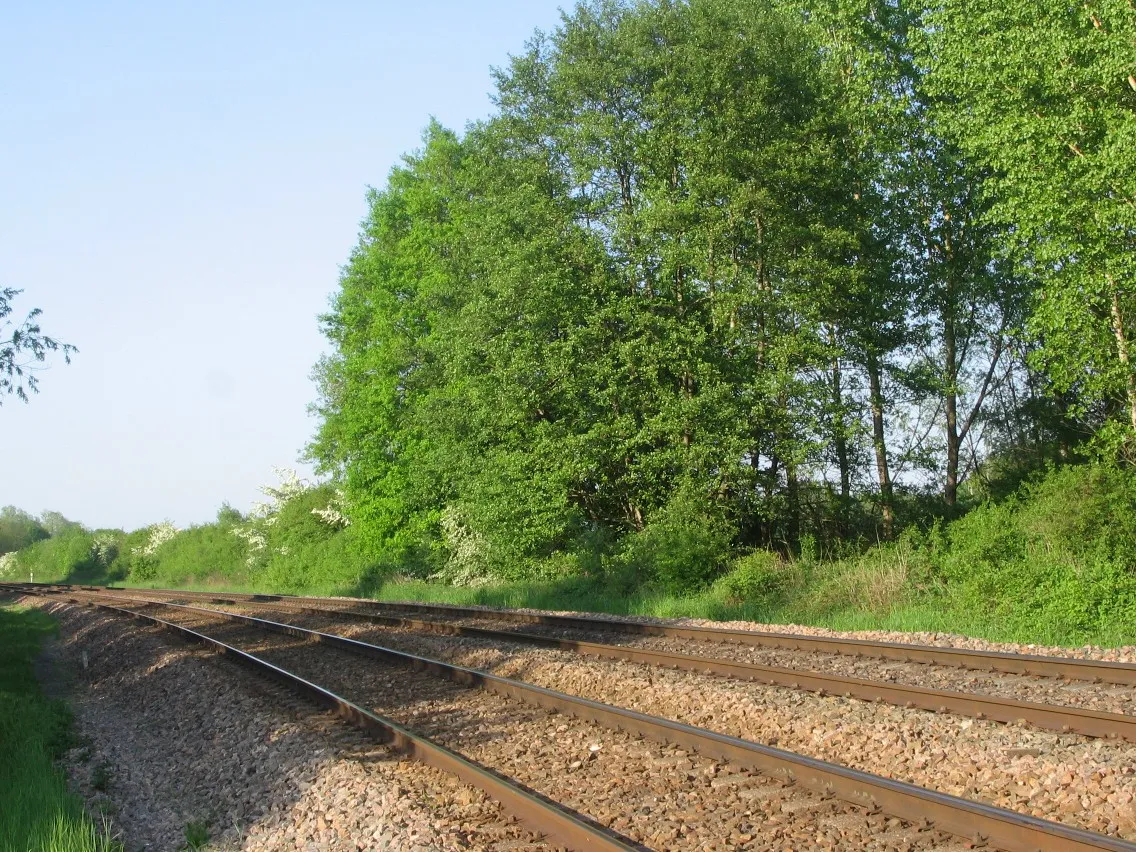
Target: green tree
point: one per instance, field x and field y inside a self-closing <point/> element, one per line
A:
<point x="602" y="294"/>
<point x="868" y="310"/>
<point x="22" y="348"/>
<point x="56" y="524"/>
<point x="18" y="529"/>
<point x="927" y="307"/>
<point x="968" y="301"/>
<point x="379" y="322"/>
<point x="1044" y="96"/>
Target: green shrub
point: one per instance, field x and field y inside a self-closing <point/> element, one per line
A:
<point x="65" y="557"/>
<point x="683" y="548"/>
<point x="195" y="555"/>
<point x="330" y="563"/>
<point x="1053" y="562"/>
<point x="1082" y="510"/>
<point x="758" y="578"/>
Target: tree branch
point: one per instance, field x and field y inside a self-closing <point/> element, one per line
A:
<point x="998" y="348"/>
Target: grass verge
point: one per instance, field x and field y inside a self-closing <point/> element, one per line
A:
<point x="813" y="605"/>
<point x="38" y="812"/>
<point x="856" y="594"/>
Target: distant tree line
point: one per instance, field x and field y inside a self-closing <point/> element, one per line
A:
<point x="295" y="539"/>
<point x="19" y="529"/>
<point x="796" y="273"/>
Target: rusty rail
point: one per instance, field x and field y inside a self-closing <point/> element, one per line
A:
<point x="1004" y="829"/>
<point x="544" y="816"/>
<point x="1091" y="723"/>
<point x="1027" y="664"/>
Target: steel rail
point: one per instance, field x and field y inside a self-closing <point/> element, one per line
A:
<point x="544" y="816"/>
<point x="1004" y="829"/>
<point x="1060" y="718"/>
<point x="1000" y="661"/>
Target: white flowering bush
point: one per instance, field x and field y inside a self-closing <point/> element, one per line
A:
<point x="143" y="561"/>
<point x="104" y="547"/>
<point x="467" y="552"/>
<point x="159" y="534"/>
<point x="291" y="486"/>
<point x="254" y="531"/>
<point x="290" y="499"/>
<point x="8" y="565"/>
<point x="297" y="538"/>
<point x="334" y="514"/>
<point x="255" y="539"/>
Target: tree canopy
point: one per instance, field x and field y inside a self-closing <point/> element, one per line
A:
<point x="18" y="529"/>
<point x="780" y="271"/>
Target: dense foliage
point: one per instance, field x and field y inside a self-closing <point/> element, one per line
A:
<point x="18" y="529"/>
<point x="1043" y="96"/>
<point x="725" y="274"/>
<point x="1050" y="562"/>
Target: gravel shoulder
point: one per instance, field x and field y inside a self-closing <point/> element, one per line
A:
<point x="171" y="735"/>
<point x="1109" y="698"/>
<point x="1121" y="654"/>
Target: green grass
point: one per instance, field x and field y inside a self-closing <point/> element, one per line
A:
<point x="586" y="597"/>
<point x="835" y="598"/>
<point x="37" y="812"/>
<point x="196" y="835"/>
<point x="871" y="592"/>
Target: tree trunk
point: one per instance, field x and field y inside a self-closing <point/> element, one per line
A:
<point x="879" y="442"/>
<point x="950" y="370"/>
<point x="1122" y="353"/>
<point x="839" y="432"/>
<point x="770" y="484"/>
<point x="950" y="367"/>
<point x="793" y="494"/>
<point x="840" y="444"/>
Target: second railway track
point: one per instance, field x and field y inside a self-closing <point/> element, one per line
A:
<point x="1092" y="671"/>
<point x="1043" y="714"/>
<point x="1010" y="663"/>
<point x="1005" y="829"/>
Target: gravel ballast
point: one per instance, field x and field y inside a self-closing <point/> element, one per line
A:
<point x="659" y="795"/>
<point x="1110" y="698"/>
<point x="1083" y="782"/>
<point x="172" y="735"/>
<point x="1104" y="697"/>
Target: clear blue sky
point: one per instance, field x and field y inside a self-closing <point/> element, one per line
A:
<point x="179" y="183"/>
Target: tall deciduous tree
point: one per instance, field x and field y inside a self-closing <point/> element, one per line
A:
<point x="603" y="295"/>
<point x="1044" y="96"/>
<point x="380" y="322"/>
<point x="18" y="529"/>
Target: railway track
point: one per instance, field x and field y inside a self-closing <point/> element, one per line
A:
<point x="935" y="812"/>
<point x="1093" y="671"/>
<point x="560" y="824"/>
<point x="1047" y="716"/>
